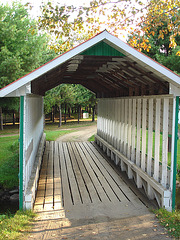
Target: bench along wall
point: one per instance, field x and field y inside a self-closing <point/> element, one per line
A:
<point x="134" y="133"/>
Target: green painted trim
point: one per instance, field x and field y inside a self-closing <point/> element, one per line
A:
<point x="175" y="155"/>
<point x="21" y="153"/>
<point x="102" y="49"/>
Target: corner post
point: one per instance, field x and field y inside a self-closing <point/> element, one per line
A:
<point x="21" y="140"/>
<point x="174" y="157"/>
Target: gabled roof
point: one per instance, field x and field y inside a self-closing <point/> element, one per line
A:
<point x="105" y="65"/>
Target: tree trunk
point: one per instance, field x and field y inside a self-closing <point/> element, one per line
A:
<point x="93" y="114"/>
<point x="60" y="116"/>
<point x="52" y="114"/>
<point x="65" y="114"/>
<point x="79" y="113"/>
<point x="69" y="112"/>
<point x="89" y="109"/>
<point x="1" y="118"/>
<point x="14" y="118"/>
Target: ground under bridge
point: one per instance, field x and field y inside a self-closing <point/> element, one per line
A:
<point x="138" y="104"/>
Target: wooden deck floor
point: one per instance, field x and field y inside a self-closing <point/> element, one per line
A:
<point x="76" y="182"/>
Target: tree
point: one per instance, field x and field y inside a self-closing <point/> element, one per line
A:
<point x="22" y="47"/>
<point x="160" y="49"/>
<point x="114" y="15"/>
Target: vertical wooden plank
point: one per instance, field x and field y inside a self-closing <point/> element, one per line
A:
<point x="122" y="133"/>
<point x="150" y="136"/>
<point x="143" y="151"/>
<point x="130" y="174"/>
<point x="129" y="129"/>
<point x="108" y="119"/>
<point x="118" y="124"/>
<point x="157" y="140"/>
<point x="122" y="125"/>
<point x="133" y="131"/>
<point x="138" y="144"/>
<point x="98" y="115"/>
<point x="115" y="124"/>
<point x="125" y="126"/>
<point x="165" y="142"/>
<point x="105" y="117"/>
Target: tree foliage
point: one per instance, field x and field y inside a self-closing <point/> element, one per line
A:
<point x="160" y="48"/>
<point x="117" y="16"/>
<point x="22" y="48"/>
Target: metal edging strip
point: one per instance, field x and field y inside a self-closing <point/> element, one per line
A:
<point x="21" y="153"/>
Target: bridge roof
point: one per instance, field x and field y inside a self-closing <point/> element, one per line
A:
<point x="105" y="65"/>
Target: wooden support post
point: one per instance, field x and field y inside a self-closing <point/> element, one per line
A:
<point x="150" y="137"/>
<point x="133" y="131"/>
<point x="122" y="126"/>
<point x="139" y="181"/>
<point x="157" y="140"/>
<point x="119" y="124"/>
<point x="143" y="151"/>
<point x="165" y="142"/>
<point x="125" y="127"/>
<point x="138" y="144"/>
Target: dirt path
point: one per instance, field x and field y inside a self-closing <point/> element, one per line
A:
<point x="81" y="135"/>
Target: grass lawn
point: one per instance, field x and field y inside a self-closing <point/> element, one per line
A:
<point x="9" y="162"/>
<point x="171" y="221"/>
<point x="14" y="226"/>
<point x="53" y="135"/>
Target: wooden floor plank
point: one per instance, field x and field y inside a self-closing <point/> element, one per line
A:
<point x="78" y="172"/>
<point x="93" y="197"/>
<point x="77" y="179"/>
<point x="57" y="179"/>
<point x="100" y="176"/>
<point x="67" y="201"/>
<point x="106" y="171"/>
<point x="126" y="190"/>
<point x="72" y="177"/>
<point x="99" y="189"/>
<point x="48" y="201"/>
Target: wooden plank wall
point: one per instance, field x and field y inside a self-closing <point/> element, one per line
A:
<point x="134" y="126"/>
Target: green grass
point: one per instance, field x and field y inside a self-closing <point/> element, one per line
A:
<point x="53" y="135"/>
<point x="171" y="221"/>
<point x="15" y="226"/>
<point x="9" y="162"/>
<point x="92" y="138"/>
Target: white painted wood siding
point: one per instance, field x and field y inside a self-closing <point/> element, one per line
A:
<point x="131" y="124"/>
<point x="33" y="130"/>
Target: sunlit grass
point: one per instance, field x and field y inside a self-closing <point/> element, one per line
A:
<point x="14" y="226"/>
<point x="170" y="220"/>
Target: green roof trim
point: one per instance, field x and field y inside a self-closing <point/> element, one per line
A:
<point x="102" y="49"/>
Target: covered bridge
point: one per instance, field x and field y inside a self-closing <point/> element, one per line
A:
<point x="138" y="101"/>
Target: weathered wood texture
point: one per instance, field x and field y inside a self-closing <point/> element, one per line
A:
<point x="77" y="181"/>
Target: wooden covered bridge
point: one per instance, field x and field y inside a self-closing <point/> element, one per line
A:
<point x="138" y="103"/>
